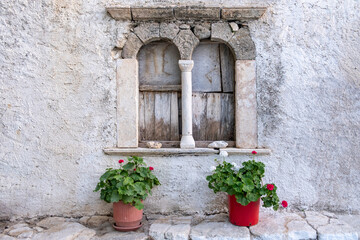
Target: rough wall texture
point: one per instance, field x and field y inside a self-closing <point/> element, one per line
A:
<point x="58" y="98"/>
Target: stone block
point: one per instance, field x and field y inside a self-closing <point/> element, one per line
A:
<point x="218" y="144"/>
<point x="148" y="32"/>
<point x="157" y="230"/>
<point x="299" y="229"/>
<point x="219" y="230"/>
<point x="316" y="219"/>
<point x="97" y="221"/>
<point x="67" y="230"/>
<point x="242" y="45"/>
<point x="127" y="102"/>
<point x="242" y="14"/>
<point x="234" y="26"/>
<point x="6" y="237"/>
<point x="202" y="31"/>
<point x="221" y="32"/>
<point x="115" y="235"/>
<point x="25" y="231"/>
<point x="168" y="30"/>
<point x="197" y="13"/>
<point x="131" y="47"/>
<point x="50" y="222"/>
<point x="178" y="232"/>
<point x="186" y="42"/>
<point x="352" y="220"/>
<point x="119" y="13"/>
<point x="153" y="14"/>
<point x="337" y="231"/>
<point x="245" y="104"/>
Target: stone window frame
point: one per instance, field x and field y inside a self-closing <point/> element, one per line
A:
<point x="154" y="24"/>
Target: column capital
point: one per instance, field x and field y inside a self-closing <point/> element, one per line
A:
<point x="186" y="65"/>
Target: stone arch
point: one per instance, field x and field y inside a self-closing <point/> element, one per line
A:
<point x="187" y="37"/>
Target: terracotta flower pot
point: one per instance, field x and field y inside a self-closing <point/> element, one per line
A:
<point x="243" y="215"/>
<point x="126" y="217"/>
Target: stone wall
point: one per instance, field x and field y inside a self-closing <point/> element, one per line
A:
<point x="58" y="99"/>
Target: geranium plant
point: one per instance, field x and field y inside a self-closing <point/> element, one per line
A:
<point x="244" y="182"/>
<point x="131" y="183"/>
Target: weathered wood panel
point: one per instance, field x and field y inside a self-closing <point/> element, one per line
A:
<point x="162" y="116"/>
<point x="160" y="88"/>
<point x="174" y="117"/>
<point x="158" y="64"/>
<point x="227" y="122"/>
<point x="227" y="68"/>
<point x="206" y="72"/>
<point x="142" y="125"/>
<point x="213" y="116"/>
<point x="199" y="105"/>
<point x="149" y="115"/>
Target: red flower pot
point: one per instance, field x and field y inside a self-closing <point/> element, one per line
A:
<point x="243" y="215"/>
<point x="126" y="217"/>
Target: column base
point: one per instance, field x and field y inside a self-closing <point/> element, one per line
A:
<point x="187" y="142"/>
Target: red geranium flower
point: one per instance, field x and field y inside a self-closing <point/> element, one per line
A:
<point x="121" y="161"/>
<point x="254" y="152"/>
<point x="134" y="169"/>
<point x="284" y="204"/>
<point x="151" y="168"/>
<point x="270" y="187"/>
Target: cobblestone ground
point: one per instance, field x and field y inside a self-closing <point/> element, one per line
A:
<point x="272" y="225"/>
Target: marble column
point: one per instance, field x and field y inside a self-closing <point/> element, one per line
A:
<point x="245" y="104"/>
<point x="187" y="140"/>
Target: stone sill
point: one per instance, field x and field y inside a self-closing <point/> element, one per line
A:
<point x="181" y="152"/>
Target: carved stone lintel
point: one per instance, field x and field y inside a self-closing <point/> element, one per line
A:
<point x="148" y="32"/>
<point x="186" y="42"/>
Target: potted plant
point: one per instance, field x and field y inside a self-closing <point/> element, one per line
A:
<point x="245" y="188"/>
<point x="127" y="187"/>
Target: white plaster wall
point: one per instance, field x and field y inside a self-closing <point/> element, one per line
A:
<point x="58" y="98"/>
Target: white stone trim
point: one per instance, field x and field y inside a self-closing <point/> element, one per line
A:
<point x="187" y="140"/>
<point x="180" y="152"/>
<point x="127" y="89"/>
<point x="245" y="104"/>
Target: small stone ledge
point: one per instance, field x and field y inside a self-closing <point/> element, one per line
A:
<point x="180" y="151"/>
<point x="185" y="13"/>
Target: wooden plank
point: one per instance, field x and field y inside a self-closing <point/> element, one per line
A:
<point x="162" y="116"/>
<point x="174" y="117"/>
<point x="213" y="116"/>
<point x="199" y="105"/>
<point x="160" y="88"/>
<point x="149" y="115"/>
<point x="227" y="64"/>
<point x="227" y="122"/>
<point x="142" y="125"/>
<point x="206" y="71"/>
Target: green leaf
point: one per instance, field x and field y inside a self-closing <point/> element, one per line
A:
<point x="105" y="176"/>
<point x="115" y="197"/>
<point x="139" y="205"/>
<point x="129" y="166"/>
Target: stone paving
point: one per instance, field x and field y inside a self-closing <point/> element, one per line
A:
<point x="272" y="225"/>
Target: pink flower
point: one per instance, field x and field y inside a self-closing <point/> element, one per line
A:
<point x="270" y="187"/>
<point x="121" y="161"/>
<point x="284" y="204"/>
<point x="254" y="152"/>
<point x="151" y="168"/>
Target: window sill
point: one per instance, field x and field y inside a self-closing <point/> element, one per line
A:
<point x="180" y="152"/>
